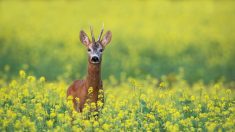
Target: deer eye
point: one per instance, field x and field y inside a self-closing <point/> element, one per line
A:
<point x="89" y="50"/>
<point x="101" y="50"/>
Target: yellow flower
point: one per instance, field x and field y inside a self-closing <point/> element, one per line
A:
<point x="39" y="118"/>
<point x="99" y="104"/>
<point x="185" y="108"/>
<point x="168" y="124"/>
<point x="52" y="115"/>
<point x="87" y="123"/>
<point x="17" y="124"/>
<point x="31" y="78"/>
<point x="161" y="95"/>
<point x="13" y="83"/>
<point x="93" y="105"/>
<point x="70" y="97"/>
<point x="162" y="84"/>
<point x="106" y="127"/>
<point x="60" y="117"/>
<point x="42" y="79"/>
<point x="176" y="115"/>
<point x="143" y="97"/>
<point x="101" y="91"/>
<point x="128" y="123"/>
<point x="120" y="114"/>
<point x="50" y="123"/>
<point x="193" y="98"/>
<point x="1" y="111"/>
<point x="100" y="96"/>
<point x="150" y="116"/>
<point x="69" y="104"/>
<point x="217" y="110"/>
<point x="90" y="90"/>
<point x="77" y="99"/>
<point x="206" y="97"/>
<point x="11" y="114"/>
<point x="22" y="74"/>
<point x="95" y="123"/>
<point x="210" y="126"/>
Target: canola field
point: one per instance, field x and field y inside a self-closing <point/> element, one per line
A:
<point x="31" y="104"/>
<point x="169" y="66"/>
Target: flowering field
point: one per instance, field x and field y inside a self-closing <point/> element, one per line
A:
<point x="169" y="67"/>
<point x="31" y="104"/>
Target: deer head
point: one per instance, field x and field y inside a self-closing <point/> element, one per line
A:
<point x="95" y="48"/>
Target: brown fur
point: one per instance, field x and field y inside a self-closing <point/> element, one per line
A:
<point x="79" y="88"/>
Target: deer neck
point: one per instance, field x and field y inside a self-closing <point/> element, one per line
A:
<point x="93" y="78"/>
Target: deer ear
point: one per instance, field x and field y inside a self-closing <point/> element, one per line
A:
<point x="107" y="38"/>
<point x="84" y="38"/>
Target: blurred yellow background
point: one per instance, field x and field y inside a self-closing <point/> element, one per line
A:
<point x="157" y="38"/>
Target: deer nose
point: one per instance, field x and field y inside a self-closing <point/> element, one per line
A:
<point x="95" y="59"/>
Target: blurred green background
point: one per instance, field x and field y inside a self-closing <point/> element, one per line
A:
<point x="150" y="38"/>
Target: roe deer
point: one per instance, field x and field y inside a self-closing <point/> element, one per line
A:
<point x="79" y="88"/>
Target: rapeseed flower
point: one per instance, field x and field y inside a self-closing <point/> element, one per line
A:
<point x="50" y="123"/>
<point x="28" y="105"/>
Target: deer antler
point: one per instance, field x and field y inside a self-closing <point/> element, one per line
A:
<point x="92" y="34"/>
<point x="102" y="29"/>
